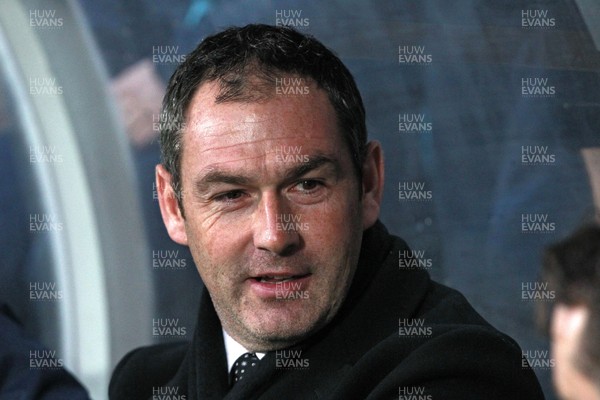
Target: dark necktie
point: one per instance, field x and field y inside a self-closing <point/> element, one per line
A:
<point x="242" y="367"/>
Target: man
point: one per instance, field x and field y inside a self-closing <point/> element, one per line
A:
<point x="572" y="270"/>
<point x="268" y="177"/>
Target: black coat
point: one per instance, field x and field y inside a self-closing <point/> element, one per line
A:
<point x="372" y="349"/>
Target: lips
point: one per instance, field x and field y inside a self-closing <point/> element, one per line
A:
<point x="273" y="286"/>
<point x="278" y="278"/>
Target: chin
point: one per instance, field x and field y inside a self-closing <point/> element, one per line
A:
<point x="278" y="333"/>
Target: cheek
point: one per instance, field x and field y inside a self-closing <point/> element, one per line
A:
<point x="210" y="248"/>
<point x="213" y="230"/>
<point x="343" y="203"/>
<point x="339" y="222"/>
<point x="334" y="236"/>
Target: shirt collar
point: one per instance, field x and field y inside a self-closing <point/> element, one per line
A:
<point x="234" y="350"/>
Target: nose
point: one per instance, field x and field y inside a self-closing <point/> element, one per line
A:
<point x="271" y="231"/>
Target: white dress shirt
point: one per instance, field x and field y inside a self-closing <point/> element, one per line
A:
<point x="234" y="350"/>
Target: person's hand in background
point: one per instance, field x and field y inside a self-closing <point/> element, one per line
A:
<point x="139" y="91"/>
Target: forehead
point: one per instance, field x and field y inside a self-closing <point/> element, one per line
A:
<point x="236" y="130"/>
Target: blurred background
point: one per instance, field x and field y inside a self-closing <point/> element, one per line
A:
<point x="488" y="112"/>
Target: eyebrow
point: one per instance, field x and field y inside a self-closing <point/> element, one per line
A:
<point x="298" y="171"/>
<point x="314" y="162"/>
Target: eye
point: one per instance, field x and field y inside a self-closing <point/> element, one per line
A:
<point x="308" y="185"/>
<point x="229" y="196"/>
<point x="308" y="191"/>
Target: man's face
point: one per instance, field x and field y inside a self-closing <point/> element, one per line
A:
<point x="273" y="212"/>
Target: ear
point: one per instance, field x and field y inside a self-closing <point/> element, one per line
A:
<point x="169" y="206"/>
<point x="372" y="184"/>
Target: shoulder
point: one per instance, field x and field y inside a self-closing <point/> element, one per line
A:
<point x="442" y="304"/>
<point x="449" y="361"/>
<point x="144" y="368"/>
<point x="434" y="339"/>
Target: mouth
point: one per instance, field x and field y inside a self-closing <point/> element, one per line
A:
<point x="278" y="278"/>
<point x="273" y="286"/>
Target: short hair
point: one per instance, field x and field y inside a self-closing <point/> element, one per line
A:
<point x="572" y="269"/>
<point x="237" y="56"/>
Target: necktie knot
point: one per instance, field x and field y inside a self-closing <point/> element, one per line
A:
<point x="242" y="367"/>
